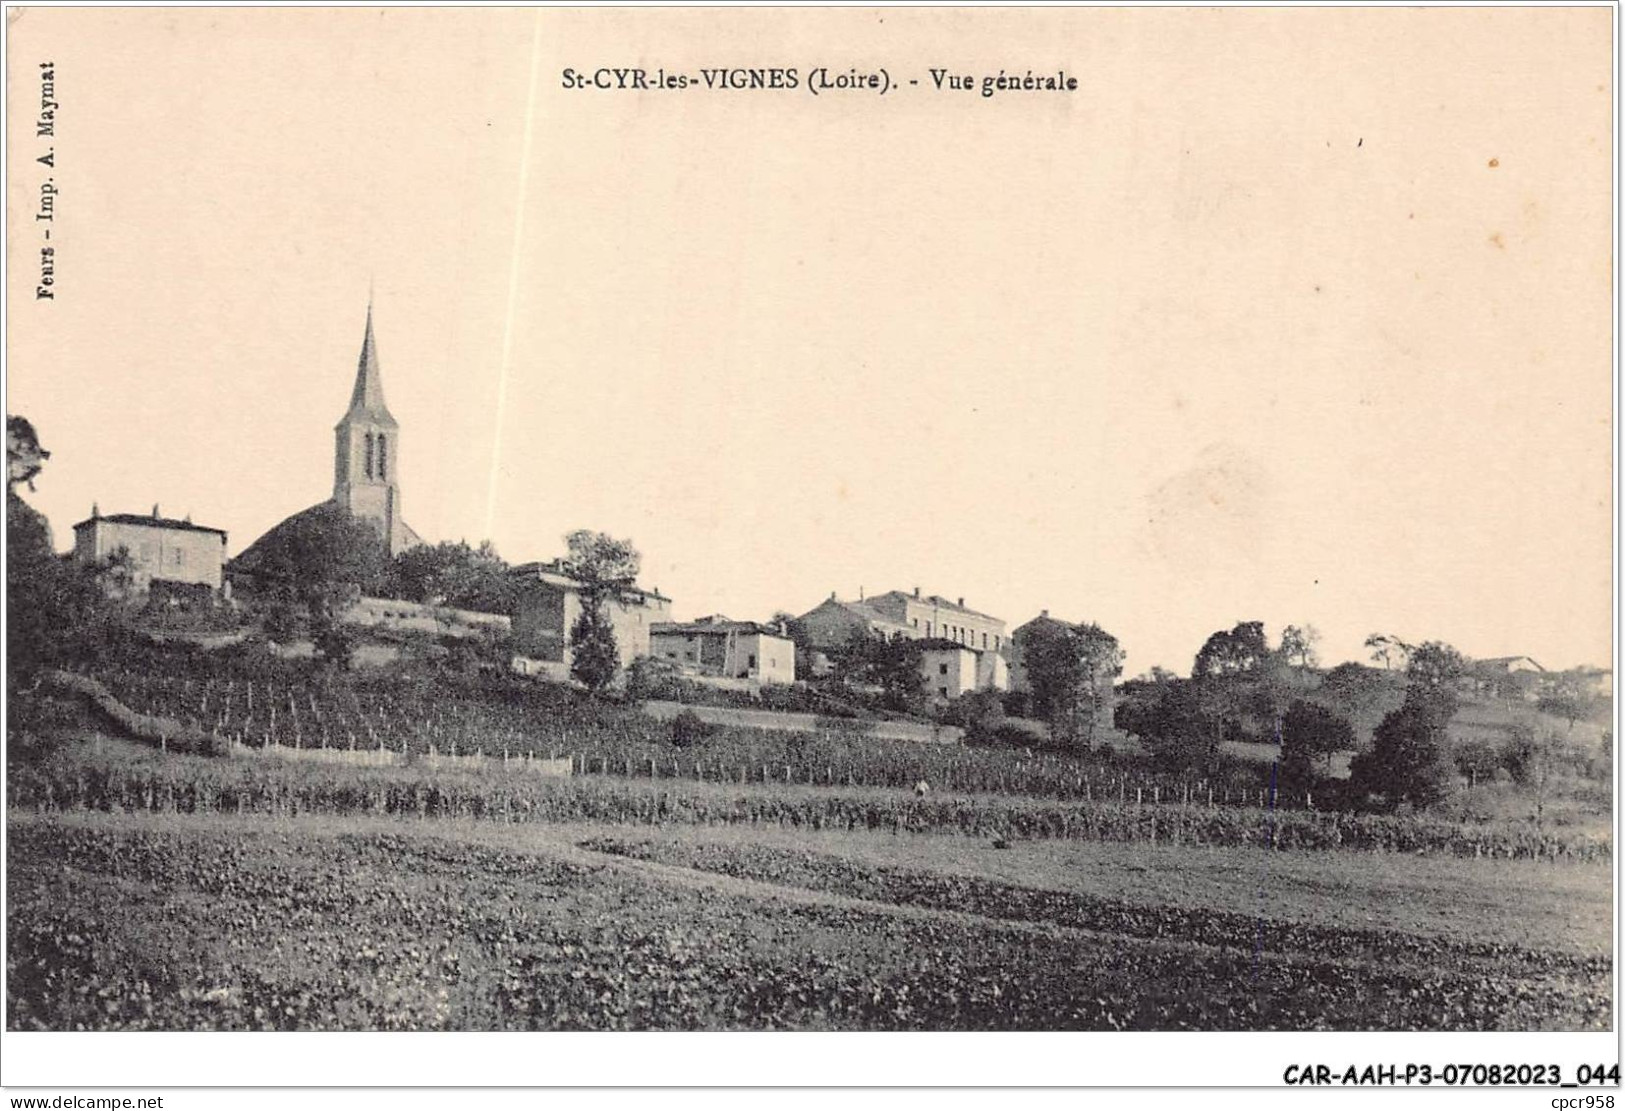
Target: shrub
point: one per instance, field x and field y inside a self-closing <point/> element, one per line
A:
<point x="1407" y="762"/>
<point x="687" y="729"/>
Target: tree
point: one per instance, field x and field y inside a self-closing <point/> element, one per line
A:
<point x="320" y="560"/>
<point x="1238" y="651"/>
<point x="1298" y="645"/>
<point x="601" y="562"/>
<point x="1388" y="650"/>
<point x="978" y="713"/>
<point x="1407" y="761"/>
<point x="1178" y="728"/>
<point x="604" y="566"/>
<point x="1435" y="665"/>
<point x="57" y="608"/>
<point x="1071" y="670"/>
<point x="455" y="575"/>
<point x="1311" y="733"/>
<point x="594" y="655"/>
<point x="890" y="663"/>
<point x="1477" y="759"/>
<point x="1568" y="698"/>
<point x="333" y="641"/>
<point x="24" y="455"/>
<point x="1235" y="673"/>
<point x="1534" y="760"/>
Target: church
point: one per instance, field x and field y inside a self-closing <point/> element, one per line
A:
<point x="366" y="466"/>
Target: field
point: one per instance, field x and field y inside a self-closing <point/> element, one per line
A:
<point x="753" y="881"/>
<point x="211" y="922"/>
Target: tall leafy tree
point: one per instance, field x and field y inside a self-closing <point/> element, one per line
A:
<point x="1310" y="733"/>
<point x="456" y="575"/>
<point x="57" y="608"/>
<point x="605" y="567"/>
<point x="320" y="560"/>
<point x="1408" y="759"/>
<point x="1072" y="669"/>
<point x="1298" y="645"/>
<point x="1388" y="650"/>
<point x="1235" y="673"/>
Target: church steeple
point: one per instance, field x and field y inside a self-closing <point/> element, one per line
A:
<point x="366" y="448"/>
<point x="367" y="399"/>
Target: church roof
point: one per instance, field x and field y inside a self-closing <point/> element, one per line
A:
<point x="367" y="398"/>
<point x="250" y="559"/>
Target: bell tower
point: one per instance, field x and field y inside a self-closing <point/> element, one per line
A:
<point x="367" y="446"/>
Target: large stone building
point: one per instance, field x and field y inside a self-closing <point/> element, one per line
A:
<point x="549" y="603"/>
<point x="366" y="466"/>
<point x="170" y="559"/>
<point x="949" y="626"/>
<point x="730" y="649"/>
<point x="931" y="616"/>
<point x="831" y="624"/>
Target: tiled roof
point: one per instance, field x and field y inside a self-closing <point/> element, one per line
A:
<point x="936" y="600"/>
<point x="722" y="626"/>
<point x="149" y="522"/>
<point x="556" y="572"/>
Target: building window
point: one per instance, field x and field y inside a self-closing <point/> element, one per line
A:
<point x="369" y="455"/>
<point x="383" y="459"/>
<point x="943" y="691"/>
<point x="915" y="621"/>
<point x="942" y="669"/>
<point x="752" y="661"/>
<point x="180" y="557"/>
<point x="984" y="640"/>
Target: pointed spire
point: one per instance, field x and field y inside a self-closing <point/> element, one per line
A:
<point x="368" y="396"/>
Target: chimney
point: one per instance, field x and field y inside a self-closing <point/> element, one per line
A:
<point x="860" y="593"/>
<point x="1043" y="613"/>
<point x="832" y="595"/>
<point x="916" y="592"/>
<point x="961" y="601"/>
<point x="155" y="511"/>
<point x="95" y="511"/>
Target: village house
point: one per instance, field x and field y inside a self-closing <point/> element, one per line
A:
<point x="550" y="603"/>
<point x="947" y="624"/>
<point x="171" y="560"/>
<point x="731" y="649"/>
<point x="1504" y="676"/>
<point x="949" y="669"/>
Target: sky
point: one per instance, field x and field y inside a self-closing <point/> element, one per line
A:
<point x="1300" y="316"/>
